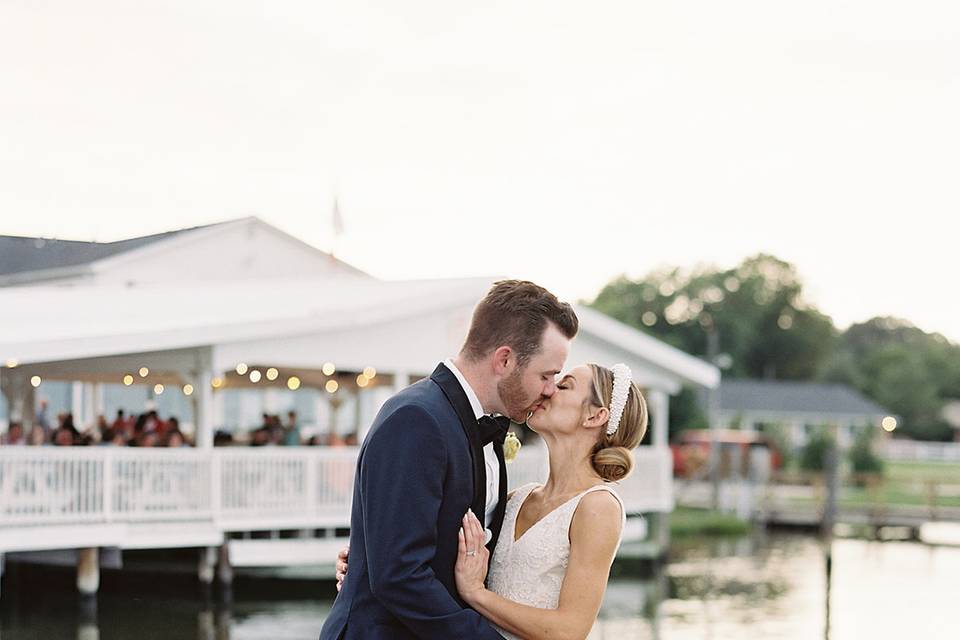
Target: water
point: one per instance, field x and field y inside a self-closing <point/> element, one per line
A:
<point x="764" y="586"/>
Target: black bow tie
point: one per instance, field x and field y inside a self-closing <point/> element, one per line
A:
<point x="493" y="429"/>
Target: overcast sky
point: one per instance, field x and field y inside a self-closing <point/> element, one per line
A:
<point x="566" y="142"/>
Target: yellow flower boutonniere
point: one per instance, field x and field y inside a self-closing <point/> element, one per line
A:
<point x="510" y="447"/>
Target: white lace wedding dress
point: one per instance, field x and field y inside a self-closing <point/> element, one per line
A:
<point x="531" y="570"/>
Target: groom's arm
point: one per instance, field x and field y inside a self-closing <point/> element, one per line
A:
<point x="401" y="484"/>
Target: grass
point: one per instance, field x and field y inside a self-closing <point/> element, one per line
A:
<point x="685" y="521"/>
<point x="923" y="471"/>
<point x="906" y="483"/>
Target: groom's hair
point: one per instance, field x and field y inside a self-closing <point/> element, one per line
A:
<point x="515" y="313"/>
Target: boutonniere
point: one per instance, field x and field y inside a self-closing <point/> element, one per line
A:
<point x="510" y="446"/>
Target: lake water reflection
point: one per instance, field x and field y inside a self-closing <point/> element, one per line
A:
<point x="764" y="586"/>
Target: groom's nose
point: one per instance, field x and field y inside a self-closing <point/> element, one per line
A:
<point x="549" y="388"/>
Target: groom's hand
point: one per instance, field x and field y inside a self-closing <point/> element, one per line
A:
<point x="342" y="566"/>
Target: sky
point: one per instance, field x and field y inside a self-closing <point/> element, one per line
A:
<point x="564" y="142"/>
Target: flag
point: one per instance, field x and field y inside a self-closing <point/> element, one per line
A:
<point x="337" y="218"/>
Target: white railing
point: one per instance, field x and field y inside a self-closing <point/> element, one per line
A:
<point x="909" y="450"/>
<point x="648" y="488"/>
<point x="233" y="489"/>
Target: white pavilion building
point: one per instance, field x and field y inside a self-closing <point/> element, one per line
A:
<point x="184" y="320"/>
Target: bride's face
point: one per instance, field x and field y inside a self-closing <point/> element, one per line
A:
<point x="563" y="411"/>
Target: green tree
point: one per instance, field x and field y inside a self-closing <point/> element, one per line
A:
<point x="755" y="313"/>
<point x="905" y="370"/>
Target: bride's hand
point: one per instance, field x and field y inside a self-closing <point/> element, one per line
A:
<point x="471" y="569"/>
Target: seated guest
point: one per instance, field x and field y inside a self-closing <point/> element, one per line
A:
<point x="261" y="437"/>
<point x="37" y="436"/>
<point x="113" y="438"/>
<point x="291" y="434"/>
<point x="120" y="422"/>
<point x="146" y="439"/>
<point x="63" y="437"/>
<point x="67" y="423"/>
<point x="41" y="417"/>
<point x="14" y="435"/>
<point x="174" y="438"/>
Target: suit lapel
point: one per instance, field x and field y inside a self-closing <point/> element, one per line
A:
<point x="457" y="397"/>
<point x="497" y="522"/>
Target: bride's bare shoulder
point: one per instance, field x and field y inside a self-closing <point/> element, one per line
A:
<point x="599" y="516"/>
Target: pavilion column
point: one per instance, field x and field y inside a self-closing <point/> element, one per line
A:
<point x="6" y="390"/>
<point x="88" y="416"/>
<point x="203" y="409"/>
<point x="29" y="410"/>
<point x="401" y="380"/>
<point x="76" y="403"/>
<point x="88" y="571"/>
<point x="98" y="401"/>
<point x="660" y="413"/>
<point x="14" y="392"/>
<point x="206" y="568"/>
<point x="369" y="408"/>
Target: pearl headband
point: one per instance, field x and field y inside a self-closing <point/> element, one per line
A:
<point x="622" y="376"/>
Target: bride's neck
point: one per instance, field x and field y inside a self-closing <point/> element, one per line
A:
<point x="570" y="468"/>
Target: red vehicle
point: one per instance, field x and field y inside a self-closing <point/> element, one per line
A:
<point x="691" y="449"/>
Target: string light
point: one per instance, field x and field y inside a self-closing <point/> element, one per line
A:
<point x="217" y="382"/>
<point x="255" y="376"/>
<point x="35" y="381"/>
<point x="127" y="380"/>
<point x="370" y="373"/>
<point x="241" y="369"/>
<point x="188" y="389"/>
<point x="362" y="381"/>
<point x="329" y="369"/>
<point x="272" y="374"/>
<point x="293" y="383"/>
<point x="144" y="372"/>
<point x="332" y="386"/>
<point x="158" y="388"/>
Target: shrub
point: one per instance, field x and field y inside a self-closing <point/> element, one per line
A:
<point x="814" y="453"/>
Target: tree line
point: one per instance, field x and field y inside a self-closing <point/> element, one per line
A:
<point x="753" y="321"/>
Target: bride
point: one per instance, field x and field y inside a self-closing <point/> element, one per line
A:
<point x="551" y="563"/>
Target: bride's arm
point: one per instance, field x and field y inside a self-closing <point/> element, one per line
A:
<point x="594" y="535"/>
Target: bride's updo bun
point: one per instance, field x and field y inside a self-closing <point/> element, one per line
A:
<point x="612" y="456"/>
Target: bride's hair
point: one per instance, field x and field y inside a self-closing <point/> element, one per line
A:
<point x="611" y="456"/>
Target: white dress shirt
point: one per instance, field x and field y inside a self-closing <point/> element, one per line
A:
<point x="489" y="455"/>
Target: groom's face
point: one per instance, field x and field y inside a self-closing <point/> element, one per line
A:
<point x="526" y="387"/>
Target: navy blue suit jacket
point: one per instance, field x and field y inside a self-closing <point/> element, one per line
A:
<point x="416" y="477"/>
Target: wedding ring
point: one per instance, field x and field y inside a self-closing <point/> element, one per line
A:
<point x="471" y="553"/>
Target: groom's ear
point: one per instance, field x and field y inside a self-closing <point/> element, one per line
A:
<point x="503" y="358"/>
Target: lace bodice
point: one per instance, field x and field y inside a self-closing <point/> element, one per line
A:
<point x="531" y="570"/>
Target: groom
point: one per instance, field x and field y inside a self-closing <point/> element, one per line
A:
<point x="433" y="452"/>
